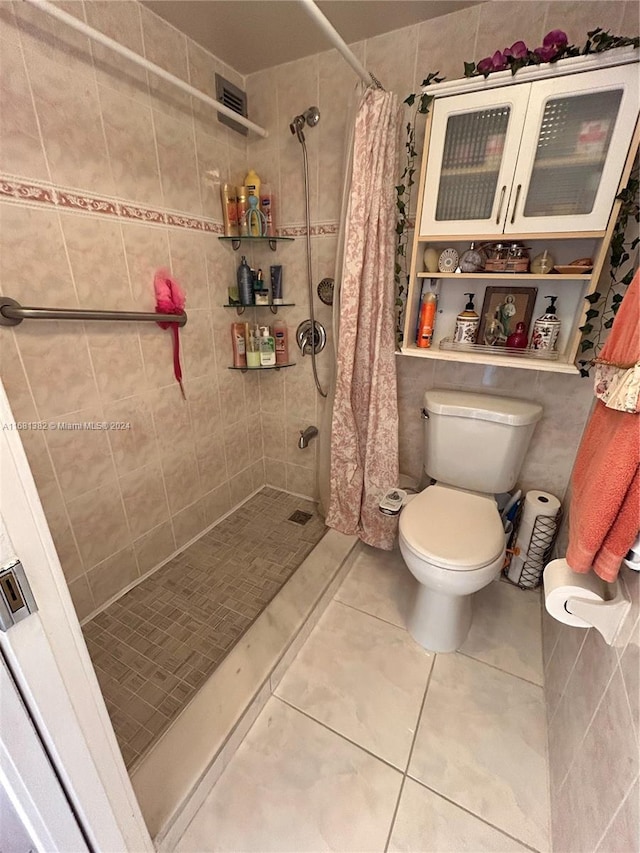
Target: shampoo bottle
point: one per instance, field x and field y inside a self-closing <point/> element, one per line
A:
<point x="266" y="207"/>
<point x="427" y="320"/>
<point x="229" y="209"/>
<point x="245" y="283"/>
<point x="467" y="323"/>
<point x="252" y="184"/>
<point x="281" y="337"/>
<point x="239" y="343"/>
<point x="243" y="209"/>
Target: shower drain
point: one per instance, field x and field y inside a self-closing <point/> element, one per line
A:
<point x="300" y="517"/>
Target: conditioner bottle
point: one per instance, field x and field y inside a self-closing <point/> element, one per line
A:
<point x="427" y="319"/>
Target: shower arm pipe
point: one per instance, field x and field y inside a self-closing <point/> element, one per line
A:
<point x="134" y="57"/>
<point x="336" y="39"/>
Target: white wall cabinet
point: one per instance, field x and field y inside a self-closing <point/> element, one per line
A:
<point x="533" y="157"/>
<point x="537" y="158"/>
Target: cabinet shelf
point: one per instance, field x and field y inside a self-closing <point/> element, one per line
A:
<point x="236" y="241"/>
<point x="549" y="163"/>
<point x="505" y="276"/>
<point x="262" y="367"/>
<point x="495" y="358"/>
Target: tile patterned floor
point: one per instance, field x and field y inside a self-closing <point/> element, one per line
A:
<point x="154" y="647"/>
<point x="370" y="743"/>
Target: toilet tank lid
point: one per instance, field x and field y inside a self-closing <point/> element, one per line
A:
<point x="485" y="407"/>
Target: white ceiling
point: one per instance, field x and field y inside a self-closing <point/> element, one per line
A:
<point x="251" y="35"/>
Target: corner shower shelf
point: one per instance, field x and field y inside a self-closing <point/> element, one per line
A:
<point x="240" y="309"/>
<point x="262" y="367"/>
<point x="236" y="241"/>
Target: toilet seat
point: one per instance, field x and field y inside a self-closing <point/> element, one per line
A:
<point x="453" y="529"/>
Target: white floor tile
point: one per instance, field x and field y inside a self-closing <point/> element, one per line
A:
<point x="427" y="823"/>
<point x="295" y="786"/>
<point x="363" y="678"/>
<point x="379" y="583"/>
<point x="481" y="742"/>
<point x="506" y="630"/>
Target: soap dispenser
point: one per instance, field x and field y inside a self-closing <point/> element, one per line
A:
<point x="546" y="328"/>
<point x="467" y="323"/>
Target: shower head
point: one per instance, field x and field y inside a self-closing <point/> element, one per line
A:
<point x="311" y="118"/>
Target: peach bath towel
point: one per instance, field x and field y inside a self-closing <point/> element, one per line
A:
<point x="604" y="517"/>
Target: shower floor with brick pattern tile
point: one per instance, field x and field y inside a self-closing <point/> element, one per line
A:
<point x="155" y="646"/>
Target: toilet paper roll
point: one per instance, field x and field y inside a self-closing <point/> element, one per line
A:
<point x="561" y="584"/>
<point x="536" y="503"/>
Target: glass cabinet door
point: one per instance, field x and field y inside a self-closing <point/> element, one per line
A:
<point x="574" y="144"/>
<point x="472" y="157"/>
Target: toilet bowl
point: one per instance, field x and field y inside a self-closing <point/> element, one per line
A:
<point x="453" y="543"/>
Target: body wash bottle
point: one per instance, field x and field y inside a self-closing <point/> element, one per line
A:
<point x="267" y="348"/>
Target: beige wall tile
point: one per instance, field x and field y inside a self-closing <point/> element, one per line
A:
<point x="128" y="128"/>
<point x="445" y="44"/>
<point x="240" y="486"/>
<point x="302" y="481"/>
<point x="188" y="265"/>
<point x="213" y="167"/>
<point x="502" y="24"/>
<point x="176" y="147"/>
<point x="154" y="547"/>
<point x="35" y="447"/>
<point x="576" y="19"/>
<point x="275" y="473"/>
<point x="21" y="151"/>
<point x="204" y="405"/>
<point x="601" y="775"/>
<point x="99" y="524"/>
<point x="182" y="482"/>
<point x="196" y="339"/>
<point x="212" y="465"/>
<point x="56" y="358"/>
<point x="172" y="419"/>
<point x="81" y="596"/>
<point x="117" y="361"/>
<point x="15" y="380"/>
<point x="81" y="455"/>
<point x="188" y="523"/>
<point x="144" y="497"/>
<point x="216" y="503"/>
<point x="66" y="547"/>
<point x="624" y="831"/>
<point x="122" y="23"/>
<point x="146" y="251"/>
<point x="394" y="68"/>
<point x="166" y="47"/>
<point x="236" y="447"/>
<point x="136" y="446"/>
<point x="38" y="269"/>
<point x="76" y="150"/>
<point x="109" y="577"/>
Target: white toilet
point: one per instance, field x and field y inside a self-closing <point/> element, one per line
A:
<point x="451" y="534"/>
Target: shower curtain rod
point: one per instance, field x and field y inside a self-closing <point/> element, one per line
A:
<point x="99" y="37"/>
<point x="336" y="39"/>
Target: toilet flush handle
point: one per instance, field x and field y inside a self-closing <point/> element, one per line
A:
<point x="425" y="414"/>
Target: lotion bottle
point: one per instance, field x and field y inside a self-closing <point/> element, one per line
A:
<point x="467" y="323"/>
<point x="266" y="207"/>
<point x="281" y="337"/>
<point x="546" y="328"/>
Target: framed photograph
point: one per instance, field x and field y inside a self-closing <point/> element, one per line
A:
<point x="503" y="308"/>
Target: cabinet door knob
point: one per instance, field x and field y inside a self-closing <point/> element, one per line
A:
<point x="502" y="192"/>
<point x="515" y="203"/>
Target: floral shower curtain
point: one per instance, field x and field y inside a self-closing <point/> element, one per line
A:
<point x="364" y="429"/>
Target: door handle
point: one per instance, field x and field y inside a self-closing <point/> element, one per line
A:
<point x="515" y="203"/>
<point x="502" y="192"/>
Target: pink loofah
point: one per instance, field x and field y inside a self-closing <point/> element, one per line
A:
<point x="170" y="299"/>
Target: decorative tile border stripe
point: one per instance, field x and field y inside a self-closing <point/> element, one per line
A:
<point x="23" y="191"/>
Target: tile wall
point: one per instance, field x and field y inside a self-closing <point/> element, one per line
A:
<point x="123" y="158"/>
<point x="592" y="694"/>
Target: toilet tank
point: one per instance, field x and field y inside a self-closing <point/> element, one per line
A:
<point x="476" y="441"/>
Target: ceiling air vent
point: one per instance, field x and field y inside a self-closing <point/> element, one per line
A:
<point x="235" y="99"/>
